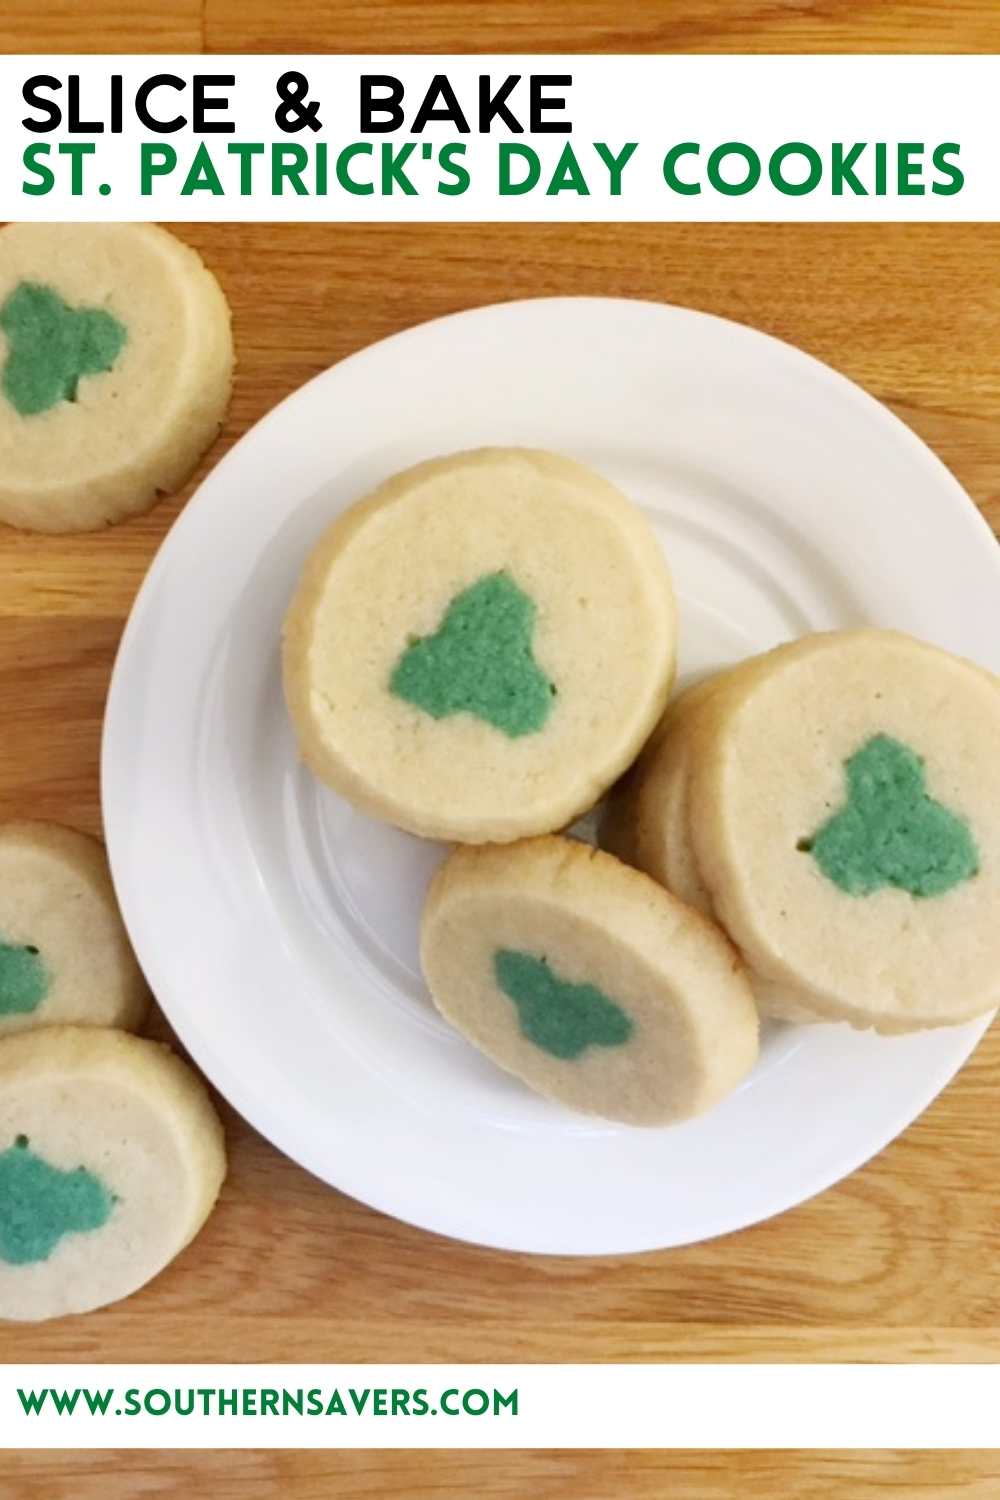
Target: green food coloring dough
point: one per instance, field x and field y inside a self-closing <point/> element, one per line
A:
<point x="24" y="980"/>
<point x="39" y="1204"/>
<point x="891" y="831"/>
<point x="561" y="1018"/>
<point x="480" y="661"/>
<point x="51" y="346"/>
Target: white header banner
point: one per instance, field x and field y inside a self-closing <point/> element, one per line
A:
<point x="499" y="1406"/>
<point x="539" y="138"/>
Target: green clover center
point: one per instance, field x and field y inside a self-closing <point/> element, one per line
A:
<point x="39" y="1204"/>
<point x="24" y="979"/>
<point x="891" y="831"/>
<point x="561" y="1018"/>
<point x="480" y="661"/>
<point x="51" y="346"/>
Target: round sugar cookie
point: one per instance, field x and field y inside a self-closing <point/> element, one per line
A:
<point x="65" y="958"/>
<point x="647" y="821"/>
<point x="845" y="816"/>
<point x="116" y="359"/>
<point x="587" y="980"/>
<point x="111" y="1159"/>
<point x="479" y="649"/>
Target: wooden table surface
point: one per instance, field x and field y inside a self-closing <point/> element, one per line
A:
<point x="500" y="1476"/>
<point x="899" y="1262"/>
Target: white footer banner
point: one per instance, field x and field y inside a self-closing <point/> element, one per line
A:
<point x="499" y="1406"/>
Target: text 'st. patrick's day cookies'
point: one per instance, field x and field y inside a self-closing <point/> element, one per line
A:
<point x="111" y="1159"/>
<point x="480" y="648"/>
<point x="588" y="980"/>
<point x="65" y="957"/>
<point x="845" y="815"/>
<point x="116" y="360"/>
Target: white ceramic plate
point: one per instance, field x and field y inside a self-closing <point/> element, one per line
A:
<point x="278" y="926"/>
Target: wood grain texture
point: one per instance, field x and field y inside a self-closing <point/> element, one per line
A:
<point x="503" y="1476"/>
<point x="898" y="1262"/>
<point x="502" y="26"/>
<point x="596" y="26"/>
<point x="129" y="26"/>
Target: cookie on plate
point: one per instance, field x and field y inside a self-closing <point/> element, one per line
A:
<point x="587" y="980"/>
<point x="645" y="820"/>
<point x="844" y="814"/>
<point x="479" y="649"/>
<point x="111" y="1160"/>
<point x="116" y="360"/>
<point x="65" y="957"/>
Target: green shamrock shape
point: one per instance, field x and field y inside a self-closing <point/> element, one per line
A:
<point x="563" y="1019"/>
<point x="891" y="832"/>
<point x="51" y="346"/>
<point x="480" y="661"/>
<point x="24" y="980"/>
<point x="39" y="1204"/>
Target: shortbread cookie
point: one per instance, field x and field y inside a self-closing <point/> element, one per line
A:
<point x="645" y="821"/>
<point x="116" y="360"/>
<point x="111" y="1159"/>
<point x="588" y="980"/>
<point x="845" y="816"/>
<point x="480" y="648"/>
<point x="65" y="957"/>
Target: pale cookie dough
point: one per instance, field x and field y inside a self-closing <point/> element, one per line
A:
<point x="65" y="957"/>
<point x="845" y="816"/>
<point x="588" y="980"/>
<point x="645" y="820"/>
<point x="111" y="1160"/>
<point x="116" y="359"/>
<point x="479" y="649"/>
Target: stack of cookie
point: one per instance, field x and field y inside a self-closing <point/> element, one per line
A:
<point x="111" y="1153"/>
<point x="480" y="649"/>
<point x="835" y="806"/>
